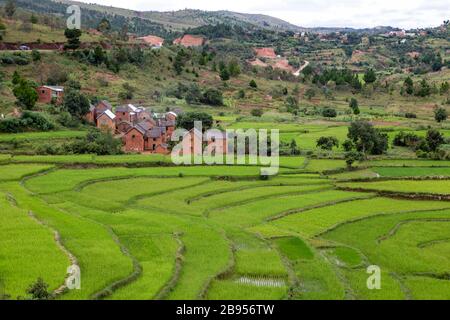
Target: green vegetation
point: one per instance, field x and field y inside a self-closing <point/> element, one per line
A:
<point x="364" y="159"/>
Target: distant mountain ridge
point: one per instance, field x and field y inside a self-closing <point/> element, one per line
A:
<point x="146" y="22"/>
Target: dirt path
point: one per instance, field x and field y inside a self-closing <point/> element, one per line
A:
<point x="297" y="73"/>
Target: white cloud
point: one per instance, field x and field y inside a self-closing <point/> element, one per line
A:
<point x="350" y="13"/>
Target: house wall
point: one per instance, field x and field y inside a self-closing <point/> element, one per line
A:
<point x="101" y="107"/>
<point x="123" y="127"/>
<point x="122" y="116"/>
<point x="90" y="117"/>
<point x="104" y="123"/>
<point x="45" y="95"/>
<point x="134" y="141"/>
<point x="151" y="144"/>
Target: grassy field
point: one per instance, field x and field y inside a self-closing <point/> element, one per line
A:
<point x="220" y="232"/>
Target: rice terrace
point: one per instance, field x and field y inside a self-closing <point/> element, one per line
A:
<point x="93" y="205"/>
<point x="202" y="232"/>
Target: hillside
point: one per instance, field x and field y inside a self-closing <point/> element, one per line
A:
<point x="189" y="18"/>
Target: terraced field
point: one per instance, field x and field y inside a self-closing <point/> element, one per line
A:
<point x="162" y="232"/>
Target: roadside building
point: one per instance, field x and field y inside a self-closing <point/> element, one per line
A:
<point x="49" y="94"/>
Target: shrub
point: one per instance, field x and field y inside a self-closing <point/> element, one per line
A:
<point x="440" y="114"/>
<point x="406" y="140"/>
<point x="329" y="112"/>
<point x="36" y="55"/>
<point x="76" y="103"/>
<point x="253" y="84"/>
<point x="327" y="143"/>
<point x="186" y="120"/>
<point x="213" y="97"/>
<point x="257" y="112"/>
<point x="367" y="139"/>
<point x="26" y="94"/>
<point x="96" y="142"/>
<point x="354" y="106"/>
<point x="39" y="290"/>
<point x="410" y="115"/>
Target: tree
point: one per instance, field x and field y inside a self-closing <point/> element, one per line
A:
<point x="224" y="74"/>
<point x="39" y="290"/>
<point x="434" y="139"/>
<point x="10" y="8"/>
<point x="186" y="120"/>
<point x="178" y="64"/>
<point x="445" y="86"/>
<point x="98" y="56"/>
<point x="351" y="157"/>
<point x="291" y="104"/>
<point x="257" y="112"/>
<point x="293" y="148"/>
<point x="424" y="89"/>
<point x="354" y="106"/>
<point x="25" y="94"/>
<point x="104" y="26"/>
<point x="310" y="93"/>
<point x="440" y="114"/>
<point x="36" y="55"/>
<point x="73" y="39"/>
<point x="16" y="78"/>
<point x="96" y="142"/>
<point x="409" y="86"/>
<point x="213" y="97"/>
<point x="329" y="112"/>
<point x="33" y="19"/>
<point x="241" y="94"/>
<point x="253" y="84"/>
<point x="128" y="92"/>
<point x="76" y="103"/>
<point x="234" y="68"/>
<point x="370" y="76"/>
<point x="367" y="139"/>
<point x="193" y="94"/>
<point x="327" y="143"/>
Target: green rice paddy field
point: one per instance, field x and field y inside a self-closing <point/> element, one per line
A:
<point x="155" y="231"/>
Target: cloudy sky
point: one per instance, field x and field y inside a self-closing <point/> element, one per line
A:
<point x="313" y="13"/>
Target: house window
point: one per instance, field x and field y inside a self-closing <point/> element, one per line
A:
<point x="154" y="139"/>
<point x="43" y="91"/>
<point x="123" y="113"/>
<point x="133" y="136"/>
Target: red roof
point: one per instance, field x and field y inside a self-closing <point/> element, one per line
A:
<point x="190" y="41"/>
<point x="265" y="53"/>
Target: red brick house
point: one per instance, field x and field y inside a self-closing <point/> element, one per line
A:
<point x="134" y="140"/>
<point x="123" y="126"/>
<point x="143" y="138"/>
<point x="96" y="111"/>
<point x="48" y="94"/>
<point x="90" y="116"/>
<point x="123" y="114"/>
<point x="102" y="106"/>
<point x="106" y="122"/>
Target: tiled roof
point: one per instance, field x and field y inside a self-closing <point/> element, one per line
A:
<point x="55" y="88"/>
<point x="108" y="113"/>
<point x="107" y="104"/>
